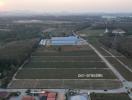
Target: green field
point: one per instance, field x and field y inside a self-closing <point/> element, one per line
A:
<point x="92" y="32"/>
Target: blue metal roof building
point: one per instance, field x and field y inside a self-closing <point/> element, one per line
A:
<point x="71" y="40"/>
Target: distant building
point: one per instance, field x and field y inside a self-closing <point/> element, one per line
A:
<point x="109" y="17"/>
<point x="118" y="31"/>
<point x="43" y="42"/>
<point x="106" y="29"/>
<point x="70" y="40"/>
<point x="66" y="40"/>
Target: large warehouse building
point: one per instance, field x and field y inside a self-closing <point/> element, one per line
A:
<point x="70" y="40"/>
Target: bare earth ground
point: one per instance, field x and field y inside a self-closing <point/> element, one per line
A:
<point x="64" y="84"/>
<point x="120" y="62"/>
<point x="49" y="68"/>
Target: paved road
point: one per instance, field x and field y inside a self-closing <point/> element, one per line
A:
<point x="117" y="59"/>
<point x="119" y="76"/>
<point x="126" y="84"/>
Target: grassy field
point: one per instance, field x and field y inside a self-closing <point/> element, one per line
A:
<point x="99" y="96"/>
<point x="91" y="32"/>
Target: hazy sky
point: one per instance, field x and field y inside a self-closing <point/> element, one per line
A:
<point x="67" y="5"/>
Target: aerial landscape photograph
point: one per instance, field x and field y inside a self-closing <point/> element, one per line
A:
<point x="65" y="49"/>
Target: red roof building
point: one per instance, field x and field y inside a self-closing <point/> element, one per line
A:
<point x="28" y="98"/>
<point x="51" y="95"/>
<point x="50" y="98"/>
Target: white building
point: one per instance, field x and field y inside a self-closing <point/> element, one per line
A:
<point x="80" y="97"/>
<point x="118" y="31"/>
<point x="43" y="42"/>
<point x="106" y="30"/>
<point x="70" y="40"/>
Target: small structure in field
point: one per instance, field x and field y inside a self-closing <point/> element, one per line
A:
<point x="118" y="32"/>
<point x="106" y="30"/>
<point x="43" y="42"/>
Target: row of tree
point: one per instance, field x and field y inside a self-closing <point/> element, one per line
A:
<point x="13" y="55"/>
<point x="121" y="44"/>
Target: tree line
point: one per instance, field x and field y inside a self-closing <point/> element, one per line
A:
<point x="13" y="55"/>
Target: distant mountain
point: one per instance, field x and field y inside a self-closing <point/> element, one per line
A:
<point x="31" y="13"/>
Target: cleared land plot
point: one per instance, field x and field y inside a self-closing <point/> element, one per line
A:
<point x="98" y="46"/>
<point x="102" y="96"/>
<point x="126" y="61"/>
<point x="64" y="73"/>
<point x="62" y="84"/>
<point x="75" y="48"/>
<point x="90" y="32"/>
<point x="71" y="53"/>
<point x="122" y="70"/>
<point x="49" y="68"/>
<point x="64" y="48"/>
<point x="119" y="67"/>
<point x="95" y="42"/>
<point x="70" y="58"/>
<point x="101" y="51"/>
<point x="66" y="65"/>
<point x="112" y="51"/>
